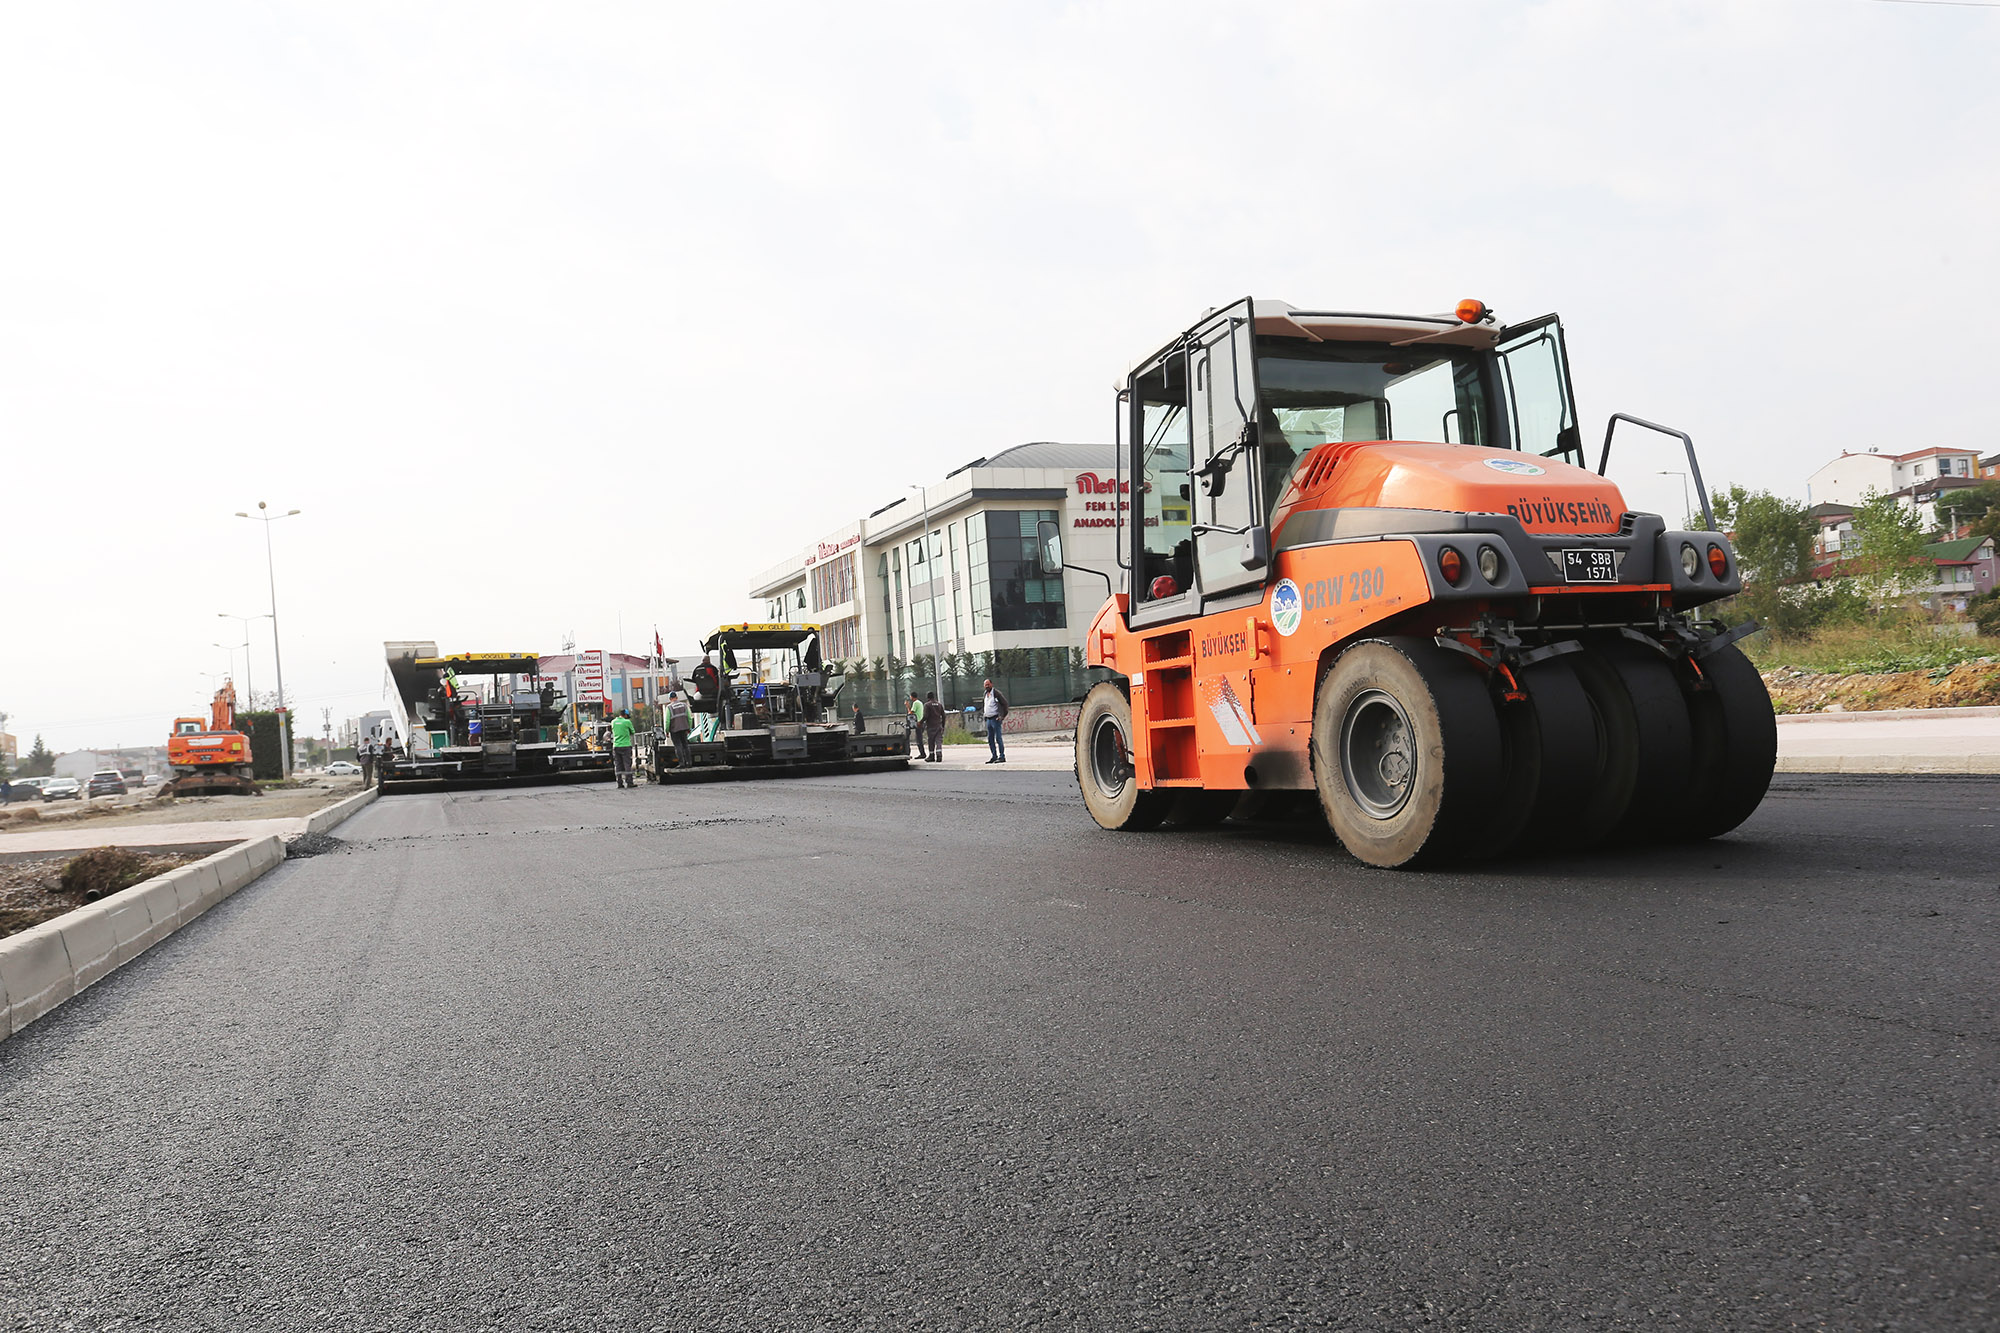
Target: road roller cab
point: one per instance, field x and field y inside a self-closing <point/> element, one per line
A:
<point x="1364" y="557"/>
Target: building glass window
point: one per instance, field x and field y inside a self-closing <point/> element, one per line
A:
<point x="975" y="562"/>
<point x="833" y="582"/>
<point x="1021" y="598"/>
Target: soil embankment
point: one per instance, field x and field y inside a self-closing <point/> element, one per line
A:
<point x="1966" y="685"/>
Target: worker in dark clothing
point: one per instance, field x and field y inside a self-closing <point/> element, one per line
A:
<point x="367" y="757"/>
<point x="934" y="728"/>
<point x="678" y="724"/>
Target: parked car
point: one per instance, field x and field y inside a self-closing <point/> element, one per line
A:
<point x="62" y="789"/>
<point x="133" y="776"/>
<point x="153" y="780"/>
<point x="25" y="789"/>
<point x="105" y="782"/>
<point x="341" y="768"/>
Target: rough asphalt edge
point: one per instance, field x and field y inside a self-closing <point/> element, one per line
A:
<point x="46" y="965"/>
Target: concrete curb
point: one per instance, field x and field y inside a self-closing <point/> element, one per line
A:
<point x="339" y="811"/>
<point x="45" y="965"/>
<point x="1890" y="715"/>
<point x="1958" y="764"/>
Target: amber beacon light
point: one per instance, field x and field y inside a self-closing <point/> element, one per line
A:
<point x="1471" y="311"/>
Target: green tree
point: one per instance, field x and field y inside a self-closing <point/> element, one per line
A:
<point x="41" y="761"/>
<point x="1892" y="546"/>
<point x="1978" y="505"/>
<point x="1985" y="612"/>
<point x="1773" y="537"/>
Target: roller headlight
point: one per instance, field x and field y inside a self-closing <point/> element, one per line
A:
<point x="1489" y="564"/>
<point x="1690" y="561"/>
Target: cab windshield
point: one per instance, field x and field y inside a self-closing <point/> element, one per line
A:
<point x="1319" y="393"/>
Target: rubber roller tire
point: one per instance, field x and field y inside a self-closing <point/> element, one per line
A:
<point x="1407" y="753"/>
<point x="1104" y="765"/>
<point x="1648" y="755"/>
<point x="1735" y="744"/>
<point x="1554" y="764"/>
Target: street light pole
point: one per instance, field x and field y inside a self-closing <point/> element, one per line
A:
<point x="277" y="655"/>
<point x="937" y="644"/>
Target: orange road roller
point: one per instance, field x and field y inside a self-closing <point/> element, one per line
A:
<point x="1364" y="556"/>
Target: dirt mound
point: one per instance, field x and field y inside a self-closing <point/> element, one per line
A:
<point x="103" y="872"/>
<point x="1967" y="685"/>
<point x="35" y="889"/>
<point x="313" y="844"/>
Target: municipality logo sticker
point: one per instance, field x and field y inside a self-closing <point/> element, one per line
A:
<point x="1287" y="607"/>
<point x="1515" y="466"/>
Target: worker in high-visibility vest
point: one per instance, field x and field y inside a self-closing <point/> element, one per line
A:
<point x="621" y="748"/>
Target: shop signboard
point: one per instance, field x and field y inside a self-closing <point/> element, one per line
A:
<point x="590" y="676"/>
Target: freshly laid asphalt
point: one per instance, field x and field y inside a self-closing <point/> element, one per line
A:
<point x="930" y="1051"/>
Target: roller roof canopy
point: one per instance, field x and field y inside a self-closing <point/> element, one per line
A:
<point x="760" y="636"/>
<point x="1286" y="321"/>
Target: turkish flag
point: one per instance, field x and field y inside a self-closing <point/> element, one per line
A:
<point x="659" y="651"/>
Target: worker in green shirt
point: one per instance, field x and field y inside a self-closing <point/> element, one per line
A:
<point x="621" y="747"/>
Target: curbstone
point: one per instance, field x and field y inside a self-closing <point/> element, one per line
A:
<point x="195" y="886"/>
<point x="1887" y="764"/>
<point x="38" y="977"/>
<point x="340" y="811"/>
<point x="232" y="871"/>
<point x="162" y="910"/>
<point x="130" y="921"/>
<point x="45" y="965"/>
<point x="91" y="942"/>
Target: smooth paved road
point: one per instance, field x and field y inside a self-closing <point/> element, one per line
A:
<point x="930" y="1051"/>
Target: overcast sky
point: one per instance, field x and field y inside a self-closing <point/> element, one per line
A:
<point x="546" y="316"/>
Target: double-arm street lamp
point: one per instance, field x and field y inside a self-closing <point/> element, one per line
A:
<point x="249" y="686"/>
<point x="231" y="648"/>
<point x="270" y="573"/>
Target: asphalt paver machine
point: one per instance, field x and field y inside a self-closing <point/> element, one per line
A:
<point x="764" y="707"/>
<point x="479" y="716"/>
<point x="1362" y="556"/>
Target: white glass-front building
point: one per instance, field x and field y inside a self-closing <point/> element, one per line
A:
<point x="970" y="581"/>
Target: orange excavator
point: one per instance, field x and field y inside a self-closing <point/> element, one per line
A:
<point x="208" y="755"/>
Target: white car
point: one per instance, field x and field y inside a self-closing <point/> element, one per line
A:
<point x="341" y="768"/>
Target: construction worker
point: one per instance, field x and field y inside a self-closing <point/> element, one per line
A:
<point x="678" y="722"/>
<point x="367" y="757"/>
<point x="913" y="715"/>
<point x="934" y="728"/>
<point x="621" y="747"/>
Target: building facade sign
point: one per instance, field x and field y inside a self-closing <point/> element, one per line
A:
<point x="590" y="676"/>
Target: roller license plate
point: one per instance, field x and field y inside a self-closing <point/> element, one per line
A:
<point x="1589" y="565"/>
